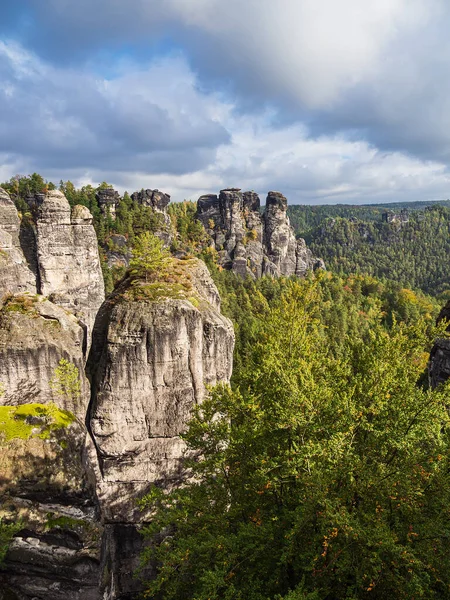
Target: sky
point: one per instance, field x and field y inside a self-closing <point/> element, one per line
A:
<point x="327" y="101"/>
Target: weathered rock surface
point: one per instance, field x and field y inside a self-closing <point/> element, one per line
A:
<point x="46" y="481"/>
<point x="252" y="244"/>
<point x="158" y="201"/>
<point x="118" y="253"/>
<point x="34" y="335"/>
<point x="69" y="264"/>
<point x="149" y="365"/>
<point x="76" y="488"/>
<point x="439" y="365"/>
<point x="57" y="555"/>
<point x="108" y="199"/>
<point x="152" y="198"/>
<point x="16" y="274"/>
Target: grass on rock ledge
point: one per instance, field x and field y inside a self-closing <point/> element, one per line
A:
<point x="32" y="420"/>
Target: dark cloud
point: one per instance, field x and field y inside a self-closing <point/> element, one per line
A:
<point x="322" y="99"/>
<point x="68" y="119"/>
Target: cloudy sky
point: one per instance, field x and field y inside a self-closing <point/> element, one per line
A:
<point x="325" y="100"/>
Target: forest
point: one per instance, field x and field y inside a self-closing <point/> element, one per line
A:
<point x="413" y="252"/>
<point x="322" y="471"/>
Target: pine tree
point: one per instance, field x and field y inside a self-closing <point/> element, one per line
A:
<point x="150" y="257"/>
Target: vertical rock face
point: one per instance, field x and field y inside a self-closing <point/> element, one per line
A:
<point x="69" y="263"/>
<point x="17" y="275"/>
<point x="44" y="474"/>
<point x="250" y="243"/>
<point x="108" y="200"/>
<point x="34" y="335"/>
<point x="158" y="202"/>
<point x="154" y="199"/>
<point x="284" y="254"/>
<point x="439" y="365"/>
<point x="149" y="365"/>
<point x="234" y="223"/>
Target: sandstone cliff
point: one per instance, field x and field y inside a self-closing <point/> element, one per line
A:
<point x="75" y="487"/>
<point x="439" y="365"/>
<point x="149" y="364"/>
<point x="52" y="252"/>
<point x="251" y="243"/>
<point x="17" y="274"/>
<point x="45" y="478"/>
<point x="69" y="265"/>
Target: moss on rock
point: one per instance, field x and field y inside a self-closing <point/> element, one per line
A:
<point x="32" y="420"/>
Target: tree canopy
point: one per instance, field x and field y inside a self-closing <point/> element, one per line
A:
<point x="316" y="476"/>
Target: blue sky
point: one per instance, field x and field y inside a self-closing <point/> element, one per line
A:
<point x="325" y="100"/>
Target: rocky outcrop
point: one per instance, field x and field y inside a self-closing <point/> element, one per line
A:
<point x="45" y="474"/>
<point x="149" y="364"/>
<point x="251" y="243"/>
<point x="439" y="364"/>
<point x="54" y="254"/>
<point x="284" y="254"/>
<point x="69" y="264"/>
<point x="155" y="199"/>
<point x="158" y="201"/>
<point x="73" y="465"/>
<point x="34" y="336"/>
<point x="108" y="200"/>
<point x="17" y="274"/>
<point x="118" y="253"/>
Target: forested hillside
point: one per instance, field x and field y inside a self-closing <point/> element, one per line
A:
<point x="412" y="249"/>
<point x="306" y="218"/>
<point x="317" y="451"/>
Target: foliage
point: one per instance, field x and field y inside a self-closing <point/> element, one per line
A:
<point x="65" y="381"/>
<point x="320" y="476"/>
<point x="348" y="305"/>
<point x="32" y="420"/>
<point x="307" y="218"/>
<point x="7" y="533"/>
<point x="190" y="235"/>
<point x="21" y="303"/>
<point x="150" y="257"/>
<point x="414" y="254"/>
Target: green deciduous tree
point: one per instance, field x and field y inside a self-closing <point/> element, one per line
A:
<point x="318" y="477"/>
<point x="66" y="380"/>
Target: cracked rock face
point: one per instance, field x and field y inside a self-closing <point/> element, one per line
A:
<point x="46" y="482"/>
<point x="34" y="335"/>
<point x="57" y="555"/>
<point x="17" y="274"/>
<point x="439" y="365"/>
<point x="69" y="264"/>
<point x="249" y="243"/>
<point x="149" y="364"/>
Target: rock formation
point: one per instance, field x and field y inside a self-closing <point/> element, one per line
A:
<point x="118" y="253"/>
<point x="158" y="202"/>
<point x="251" y="243"/>
<point x="152" y="198"/>
<point x="149" y="364"/>
<point x="44" y="473"/>
<point x="69" y="264"/>
<point x="108" y="199"/>
<point x="54" y="254"/>
<point x="16" y="274"/>
<point x="439" y="365"/>
<point x="75" y="486"/>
